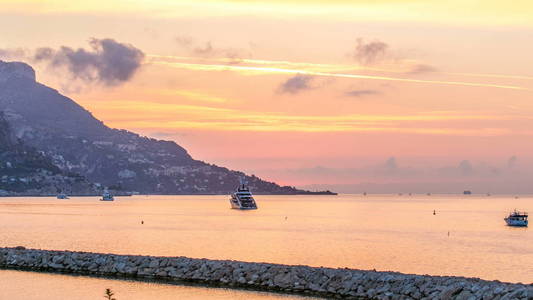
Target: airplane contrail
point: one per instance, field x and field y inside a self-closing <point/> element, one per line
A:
<point x="333" y="67"/>
<point x="216" y="67"/>
<point x="490" y="75"/>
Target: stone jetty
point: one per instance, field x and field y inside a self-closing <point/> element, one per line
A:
<point x="304" y="280"/>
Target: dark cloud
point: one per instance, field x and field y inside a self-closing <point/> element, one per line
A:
<point x="107" y="62"/>
<point x="422" y="68"/>
<point x="371" y="52"/>
<point x="296" y="84"/>
<point x="361" y="93"/>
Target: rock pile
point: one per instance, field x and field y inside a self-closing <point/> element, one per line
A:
<point x="326" y="282"/>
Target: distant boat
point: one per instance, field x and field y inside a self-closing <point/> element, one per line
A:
<point x="242" y="198"/>
<point x="467" y="193"/>
<point x="517" y="219"/>
<point x="62" y="196"/>
<point x="107" y="196"/>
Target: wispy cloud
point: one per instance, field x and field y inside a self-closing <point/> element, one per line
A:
<point x="421" y="68"/>
<point x="376" y="55"/>
<point x="369" y="53"/>
<point x="208" y="50"/>
<point x="192" y="95"/>
<point x="162" y="116"/>
<point x="361" y="93"/>
<point x="185" y="41"/>
<point x="296" y="84"/>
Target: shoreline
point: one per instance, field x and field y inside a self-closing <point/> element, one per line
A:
<point x="200" y="194"/>
<point x="293" y="279"/>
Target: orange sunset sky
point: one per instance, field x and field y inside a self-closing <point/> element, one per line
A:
<point x="348" y="95"/>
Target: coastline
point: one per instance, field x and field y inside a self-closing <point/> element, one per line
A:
<point x="127" y="194"/>
<point x="303" y="280"/>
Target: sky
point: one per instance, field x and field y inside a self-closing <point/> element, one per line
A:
<point x="360" y="95"/>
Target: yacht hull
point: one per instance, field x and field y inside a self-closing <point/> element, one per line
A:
<point x="516" y="223"/>
<point x="236" y="204"/>
<point x="245" y="208"/>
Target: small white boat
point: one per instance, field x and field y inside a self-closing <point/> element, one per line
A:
<point x="107" y="196"/>
<point x="62" y="196"/>
<point x="516" y="218"/>
<point x="242" y="198"/>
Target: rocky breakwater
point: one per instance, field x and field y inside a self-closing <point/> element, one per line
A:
<point x="326" y="282"/>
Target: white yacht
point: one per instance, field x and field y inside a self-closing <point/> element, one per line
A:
<point x="242" y="198"/>
<point x="516" y="218"/>
<point x="107" y="196"/>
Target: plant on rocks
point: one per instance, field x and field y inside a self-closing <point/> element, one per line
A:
<point x="109" y="294"/>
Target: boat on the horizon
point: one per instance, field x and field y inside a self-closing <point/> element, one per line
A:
<point x="107" y="196"/>
<point x="517" y="219"/>
<point x="242" y="198"/>
<point x="62" y="196"/>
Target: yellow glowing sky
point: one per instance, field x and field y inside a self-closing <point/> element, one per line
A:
<point x="456" y="82"/>
<point x="451" y="11"/>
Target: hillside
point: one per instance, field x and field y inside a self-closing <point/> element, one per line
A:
<point x="24" y="170"/>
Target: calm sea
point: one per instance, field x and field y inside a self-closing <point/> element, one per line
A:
<point x="466" y="237"/>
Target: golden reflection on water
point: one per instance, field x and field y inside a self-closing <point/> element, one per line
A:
<point x="383" y="232"/>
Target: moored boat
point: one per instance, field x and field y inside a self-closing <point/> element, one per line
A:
<point x="242" y="198"/>
<point x="107" y="196"/>
<point x="518" y="219"/>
